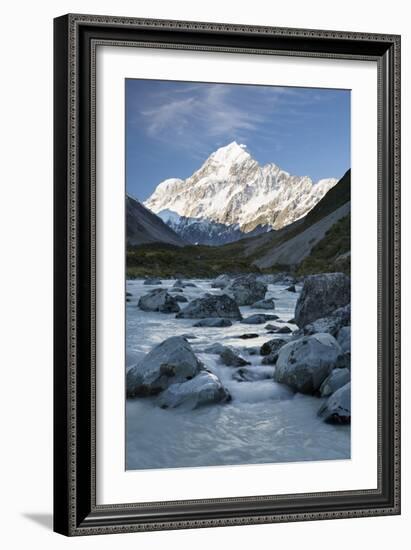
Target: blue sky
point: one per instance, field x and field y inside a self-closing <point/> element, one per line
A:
<point x="172" y="128"/>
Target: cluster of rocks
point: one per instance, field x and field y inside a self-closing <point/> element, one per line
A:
<point x="317" y="359"/>
<point x="172" y="371"/>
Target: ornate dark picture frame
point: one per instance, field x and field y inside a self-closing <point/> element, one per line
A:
<point x="76" y="38"/>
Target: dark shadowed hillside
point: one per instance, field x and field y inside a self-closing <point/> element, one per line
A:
<point x="144" y="227"/>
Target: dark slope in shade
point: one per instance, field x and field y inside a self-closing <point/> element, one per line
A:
<point x="144" y="227"/>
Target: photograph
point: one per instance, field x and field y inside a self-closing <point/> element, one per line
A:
<point x="238" y="287"/>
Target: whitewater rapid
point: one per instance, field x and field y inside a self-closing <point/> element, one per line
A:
<point x="264" y="423"/>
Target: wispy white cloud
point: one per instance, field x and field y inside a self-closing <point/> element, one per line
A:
<point x="196" y="116"/>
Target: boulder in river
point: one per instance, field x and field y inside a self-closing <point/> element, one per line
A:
<point x="258" y="319"/>
<point x="213" y="322"/>
<point x="335" y="380"/>
<point x="215" y="348"/>
<point x="211" y="306"/>
<point x="231" y="359"/>
<point x="332" y="323"/>
<point x="305" y="363"/>
<point x="264" y="304"/>
<point x="221" y="281"/>
<point x="291" y="288"/>
<point x="253" y="374"/>
<point x="152" y="281"/>
<point x="160" y="300"/>
<point x="180" y="299"/>
<point x="203" y="389"/>
<point x="248" y="336"/>
<point x="272" y="346"/>
<point x="246" y="290"/>
<point x="337" y="408"/>
<point x="172" y="361"/>
<point x="344" y="339"/>
<point x="320" y="296"/>
<point x="274" y="329"/>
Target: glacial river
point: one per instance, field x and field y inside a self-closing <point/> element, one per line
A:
<point x="264" y="423"/>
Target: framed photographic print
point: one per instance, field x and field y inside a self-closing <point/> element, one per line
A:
<point x="227" y="281"/>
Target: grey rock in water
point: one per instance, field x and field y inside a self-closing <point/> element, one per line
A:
<point x="264" y="304"/>
<point x="158" y="300"/>
<point x="344" y="339"/>
<point x="274" y="329"/>
<point x="337" y="408"/>
<point x="203" y="389"/>
<point x="246" y="290"/>
<point x="291" y="288"/>
<point x="272" y="346"/>
<point x="213" y="322"/>
<point x="221" y="282"/>
<point x="152" y="281"/>
<point x="231" y="359"/>
<point x="253" y="374"/>
<point x="258" y="319"/>
<point x="215" y="348"/>
<point x="180" y="299"/>
<point x="320" y="296"/>
<point x="270" y="359"/>
<point x="128" y="294"/>
<point x="305" y="363"/>
<point x="335" y="380"/>
<point x="248" y="336"/>
<point x="172" y="361"/>
<point x="339" y="318"/>
<point x="211" y="306"/>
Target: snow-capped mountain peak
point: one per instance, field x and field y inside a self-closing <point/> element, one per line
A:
<point x="230" y="154"/>
<point x="231" y="188"/>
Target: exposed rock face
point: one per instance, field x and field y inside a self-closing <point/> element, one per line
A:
<point x="264" y="304"/>
<point x="339" y="318"/>
<point x="272" y="346"/>
<point x="181" y="299"/>
<point x="253" y="374"/>
<point x="221" y="281"/>
<point x="337" y="408"/>
<point x="172" y="361"/>
<point x="321" y="295"/>
<point x="305" y="363"/>
<point x="231" y="359"/>
<point x="213" y="323"/>
<point x="211" y="306"/>
<point x="158" y="300"/>
<point x="258" y="319"/>
<point x="232" y="188"/>
<point x="335" y="380"/>
<point x="246" y="290"/>
<point x="203" y="389"/>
